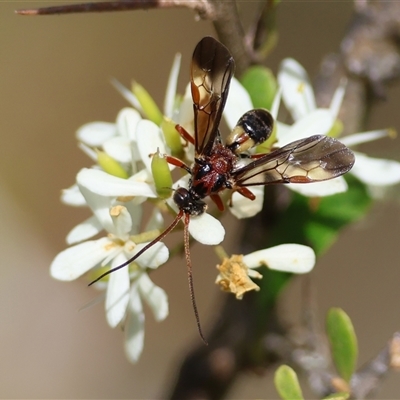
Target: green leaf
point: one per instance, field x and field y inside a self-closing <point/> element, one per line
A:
<point x="343" y="342"/>
<point x="287" y="384"/>
<point x="337" y="396"/>
<point x="261" y="84"/>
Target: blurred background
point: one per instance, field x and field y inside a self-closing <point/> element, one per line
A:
<point x="55" y="76"/>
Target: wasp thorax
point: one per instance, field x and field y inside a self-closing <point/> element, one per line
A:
<point x="252" y="129"/>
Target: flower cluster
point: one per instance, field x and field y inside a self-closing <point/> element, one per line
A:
<point x="298" y="97"/>
<point x="124" y="178"/>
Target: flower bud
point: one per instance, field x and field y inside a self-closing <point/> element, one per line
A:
<point x="161" y="175"/>
<point x="110" y="165"/>
<point x="172" y="137"/>
<point x="147" y="103"/>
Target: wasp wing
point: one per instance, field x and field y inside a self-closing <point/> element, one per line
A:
<point x="211" y="73"/>
<point x="313" y="159"/>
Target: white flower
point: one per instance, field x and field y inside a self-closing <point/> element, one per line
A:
<point x="123" y="297"/>
<point x="119" y="140"/>
<point x="235" y="273"/>
<point x="299" y="99"/>
<point x="116" y="139"/>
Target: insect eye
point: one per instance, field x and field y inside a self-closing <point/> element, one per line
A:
<point x="252" y="129"/>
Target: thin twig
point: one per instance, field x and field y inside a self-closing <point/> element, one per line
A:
<point x="261" y="37"/>
<point x="203" y="7"/>
<point x="367" y="380"/>
<point x="230" y="32"/>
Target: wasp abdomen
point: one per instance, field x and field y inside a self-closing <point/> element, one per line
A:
<point x="252" y="129"/>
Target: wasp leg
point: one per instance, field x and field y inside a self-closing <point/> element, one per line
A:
<point x="258" y="155"/>
<point x="218" y="202"/>
<point x="244" y="192"/>
<point x="184" y="134"/>
<point x="178" y="163"/>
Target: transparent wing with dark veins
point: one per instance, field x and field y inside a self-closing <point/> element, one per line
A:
<point x="211" y="73"/>
<point x="313" y="159"/>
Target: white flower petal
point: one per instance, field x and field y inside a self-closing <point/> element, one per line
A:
<point x="73" y="197"/>
<point x="104" y="184"/>
<point x="320" y="189"/>
<point x="100" y="206"/>
<point x="170" y="94"/>
<point x="242" y="207"/>
<point x="297" y="91"/>
<point x="122" y="221"/>
<point x="206" y="229"/>
<point x="117" y="296"/>
<point x="127" y="121"/>
<point x="337" y="99"/>
<point x="111" y="255"/>
<point x="237" y="104"/>
<point x="376" y="171"/>
<point x="119" y="148"/>
<point x="364" y="137"/>
<point x="134" y="327"/>
<point x="85" y="230"/>
<point x="126" y="94"/>
<point x="89" y="151"/>
<point x="76" y="260"/>
<point x="94" y="134"/>
<point x="156" y="220"/>
<point x="294" y="258"/>
<point x="282" y="131"/>
<point x="185" y="116"/>
<point x="155" y="256"/>
<point x="155" y="297"/>
<point x="276" y="103"/>
<point x="136" y="212"/>
<point x="319" y="121"/>
<point x="149" y="139"/>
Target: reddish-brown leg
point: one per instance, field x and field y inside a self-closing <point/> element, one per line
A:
<point x="177" y="162"/>
<point x="184" y="134"/>
<point x="217" y="200"/>
<point x="244" y="192"/>
<point x="258" y="155"/>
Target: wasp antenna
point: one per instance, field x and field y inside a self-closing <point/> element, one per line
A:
<point x="138" y="254"/>
<point x="190" y="275"/>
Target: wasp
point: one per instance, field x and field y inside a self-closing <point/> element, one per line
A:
<point x="218" y="165"/>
